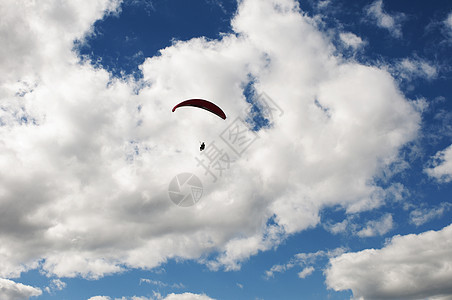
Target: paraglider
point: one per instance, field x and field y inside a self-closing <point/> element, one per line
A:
<point x="204" y="104"/>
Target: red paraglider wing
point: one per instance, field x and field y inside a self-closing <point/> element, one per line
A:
<point x="204" y="104"/>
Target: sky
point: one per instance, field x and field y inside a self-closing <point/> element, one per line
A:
<point x="331" y="177"/>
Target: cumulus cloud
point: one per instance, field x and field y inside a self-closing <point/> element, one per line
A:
<point x="323" y="4"/>
<point x="29" y="30"/>
<point x="336" y="228"/>
<point x="392" y="23"/>
<point x="421" y="216"/>
<point x="10" y="290"/>
<point x="55" y="285"/>
<point x="408" y="267"/>
<point x="161" y="283"/>
<point x="305" y="260"/>
<point x="448" y="22"/>
<point x="158" y="296"/>
<point x="354" y="225"/>
<point x="441" y="165"/>
<point x="351" y="40"/>
<point x="416" y="68"/>
<point x="183" y="296"/>
<point x="306" y="272"/>
<point x="187" y="296"/>
<point x="379" y="227"/>
<point x="100" y="298"/>
<point x="87" y="158"/>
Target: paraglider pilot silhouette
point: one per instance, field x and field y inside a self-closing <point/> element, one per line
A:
<point x="204" y="104"/>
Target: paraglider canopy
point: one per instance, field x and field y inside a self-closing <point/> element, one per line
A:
<point x="204" y="104"/>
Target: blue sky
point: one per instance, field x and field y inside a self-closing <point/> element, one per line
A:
<point x="342" y="191"/>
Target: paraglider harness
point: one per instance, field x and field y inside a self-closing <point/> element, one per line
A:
<point x="202" y="146"/>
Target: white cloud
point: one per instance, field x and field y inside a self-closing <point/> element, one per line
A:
<point x="28" y="33"/>
<point x="379" y="227"/>
<point x="10" y="290"/>
<point x="354" y="225"/>
<point x="86" y="161"/>
<point x="416" y="68"/>
<point x="441" y="168"/>
<point x="306" y="272"/>
<point x="385" y="20"/>
<point x="158" y="296"/>
<point x="100" y="298"/>
<point x="55" y="285"/>
<point x="421" y="216"/>
<point x="161" y="283"/>
<point x="187" y="296"/>
<point x="305" y="260"/>
<point x="323" y="4"/>
<point x="278" y="269"/>
<point x="408" y="267"/>
<point x="448" y="22"/>
<point x="337" y="228"/>
<point x="351" y="40"/>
